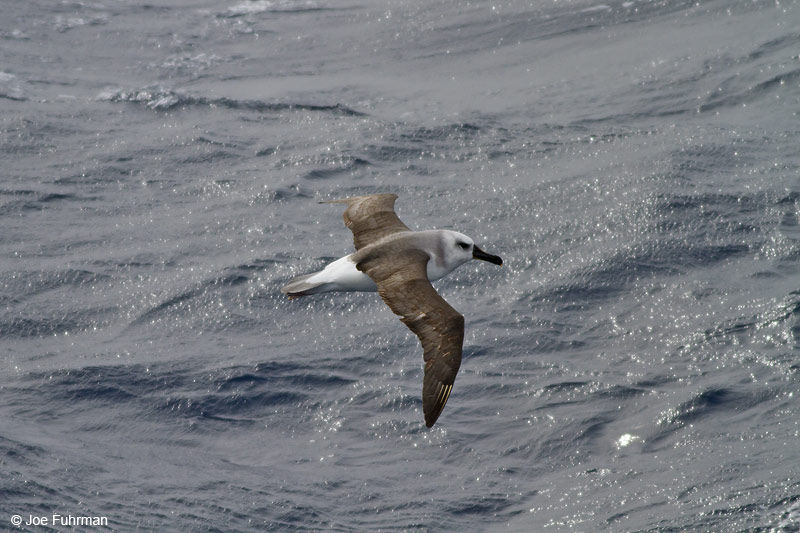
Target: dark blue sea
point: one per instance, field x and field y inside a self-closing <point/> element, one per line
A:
<point x="633" y="367"/>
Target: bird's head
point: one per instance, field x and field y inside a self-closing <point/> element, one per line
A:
<point x="458" y="249"/>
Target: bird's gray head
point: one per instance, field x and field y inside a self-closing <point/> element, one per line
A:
<point x="457" y="249"/>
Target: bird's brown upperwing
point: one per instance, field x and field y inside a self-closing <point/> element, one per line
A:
<point x="370" y="218"/>
<point x="403" y="284"/>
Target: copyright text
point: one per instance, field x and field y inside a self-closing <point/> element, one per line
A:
<point x="59" y="520"/>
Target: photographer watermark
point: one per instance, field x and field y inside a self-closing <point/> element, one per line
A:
<point x="57" y="519"/>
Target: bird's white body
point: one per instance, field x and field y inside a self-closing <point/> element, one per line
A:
<point x="440" y="245"/>
<point x="342" y="275"/>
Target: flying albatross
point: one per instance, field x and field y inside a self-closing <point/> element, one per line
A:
<point x="400" y="264"/>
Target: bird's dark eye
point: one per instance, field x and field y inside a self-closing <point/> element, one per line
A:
<point x="463" y="245"/>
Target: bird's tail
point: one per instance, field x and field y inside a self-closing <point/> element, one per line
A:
<point x="303" y="286"/>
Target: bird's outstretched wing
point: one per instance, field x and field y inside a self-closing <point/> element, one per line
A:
<point x="370" y="218"/>
<point x="403" y="284"/>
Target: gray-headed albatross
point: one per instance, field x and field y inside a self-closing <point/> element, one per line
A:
<point x="400" y="264"/>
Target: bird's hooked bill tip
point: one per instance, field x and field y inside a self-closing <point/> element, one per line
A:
<point x="477" y="253"/>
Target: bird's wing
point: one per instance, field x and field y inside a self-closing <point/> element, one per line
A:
<point x="370" y="218"/>
<point x="403" y="284"/>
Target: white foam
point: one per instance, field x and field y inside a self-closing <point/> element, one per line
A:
<point x="260" y="6"/>
<point x="246" y="8"/>
<point x="10" y="87"/>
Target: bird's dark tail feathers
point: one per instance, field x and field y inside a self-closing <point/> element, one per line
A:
<point x="300" y="286"/>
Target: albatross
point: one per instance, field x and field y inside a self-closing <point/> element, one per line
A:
<point x="400" y="265"/>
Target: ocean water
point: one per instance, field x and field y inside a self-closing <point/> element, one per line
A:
<point x="634" y="365"/>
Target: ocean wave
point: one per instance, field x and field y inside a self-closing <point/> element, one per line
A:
<point x="736" y="96"/>
<point x="66" y="23"/>
<point x="233" y="395"/>
<point x="254" y="7"/>
<point x="25" y="323"/>
<point x="25" y="284"/>
<point x="177" y="306"/>
<point x="11" y="87"/>
<point x="160" y="98"/>
<point x="713" y="402"/>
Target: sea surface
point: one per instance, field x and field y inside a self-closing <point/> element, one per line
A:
<point x="633" y="366"/>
